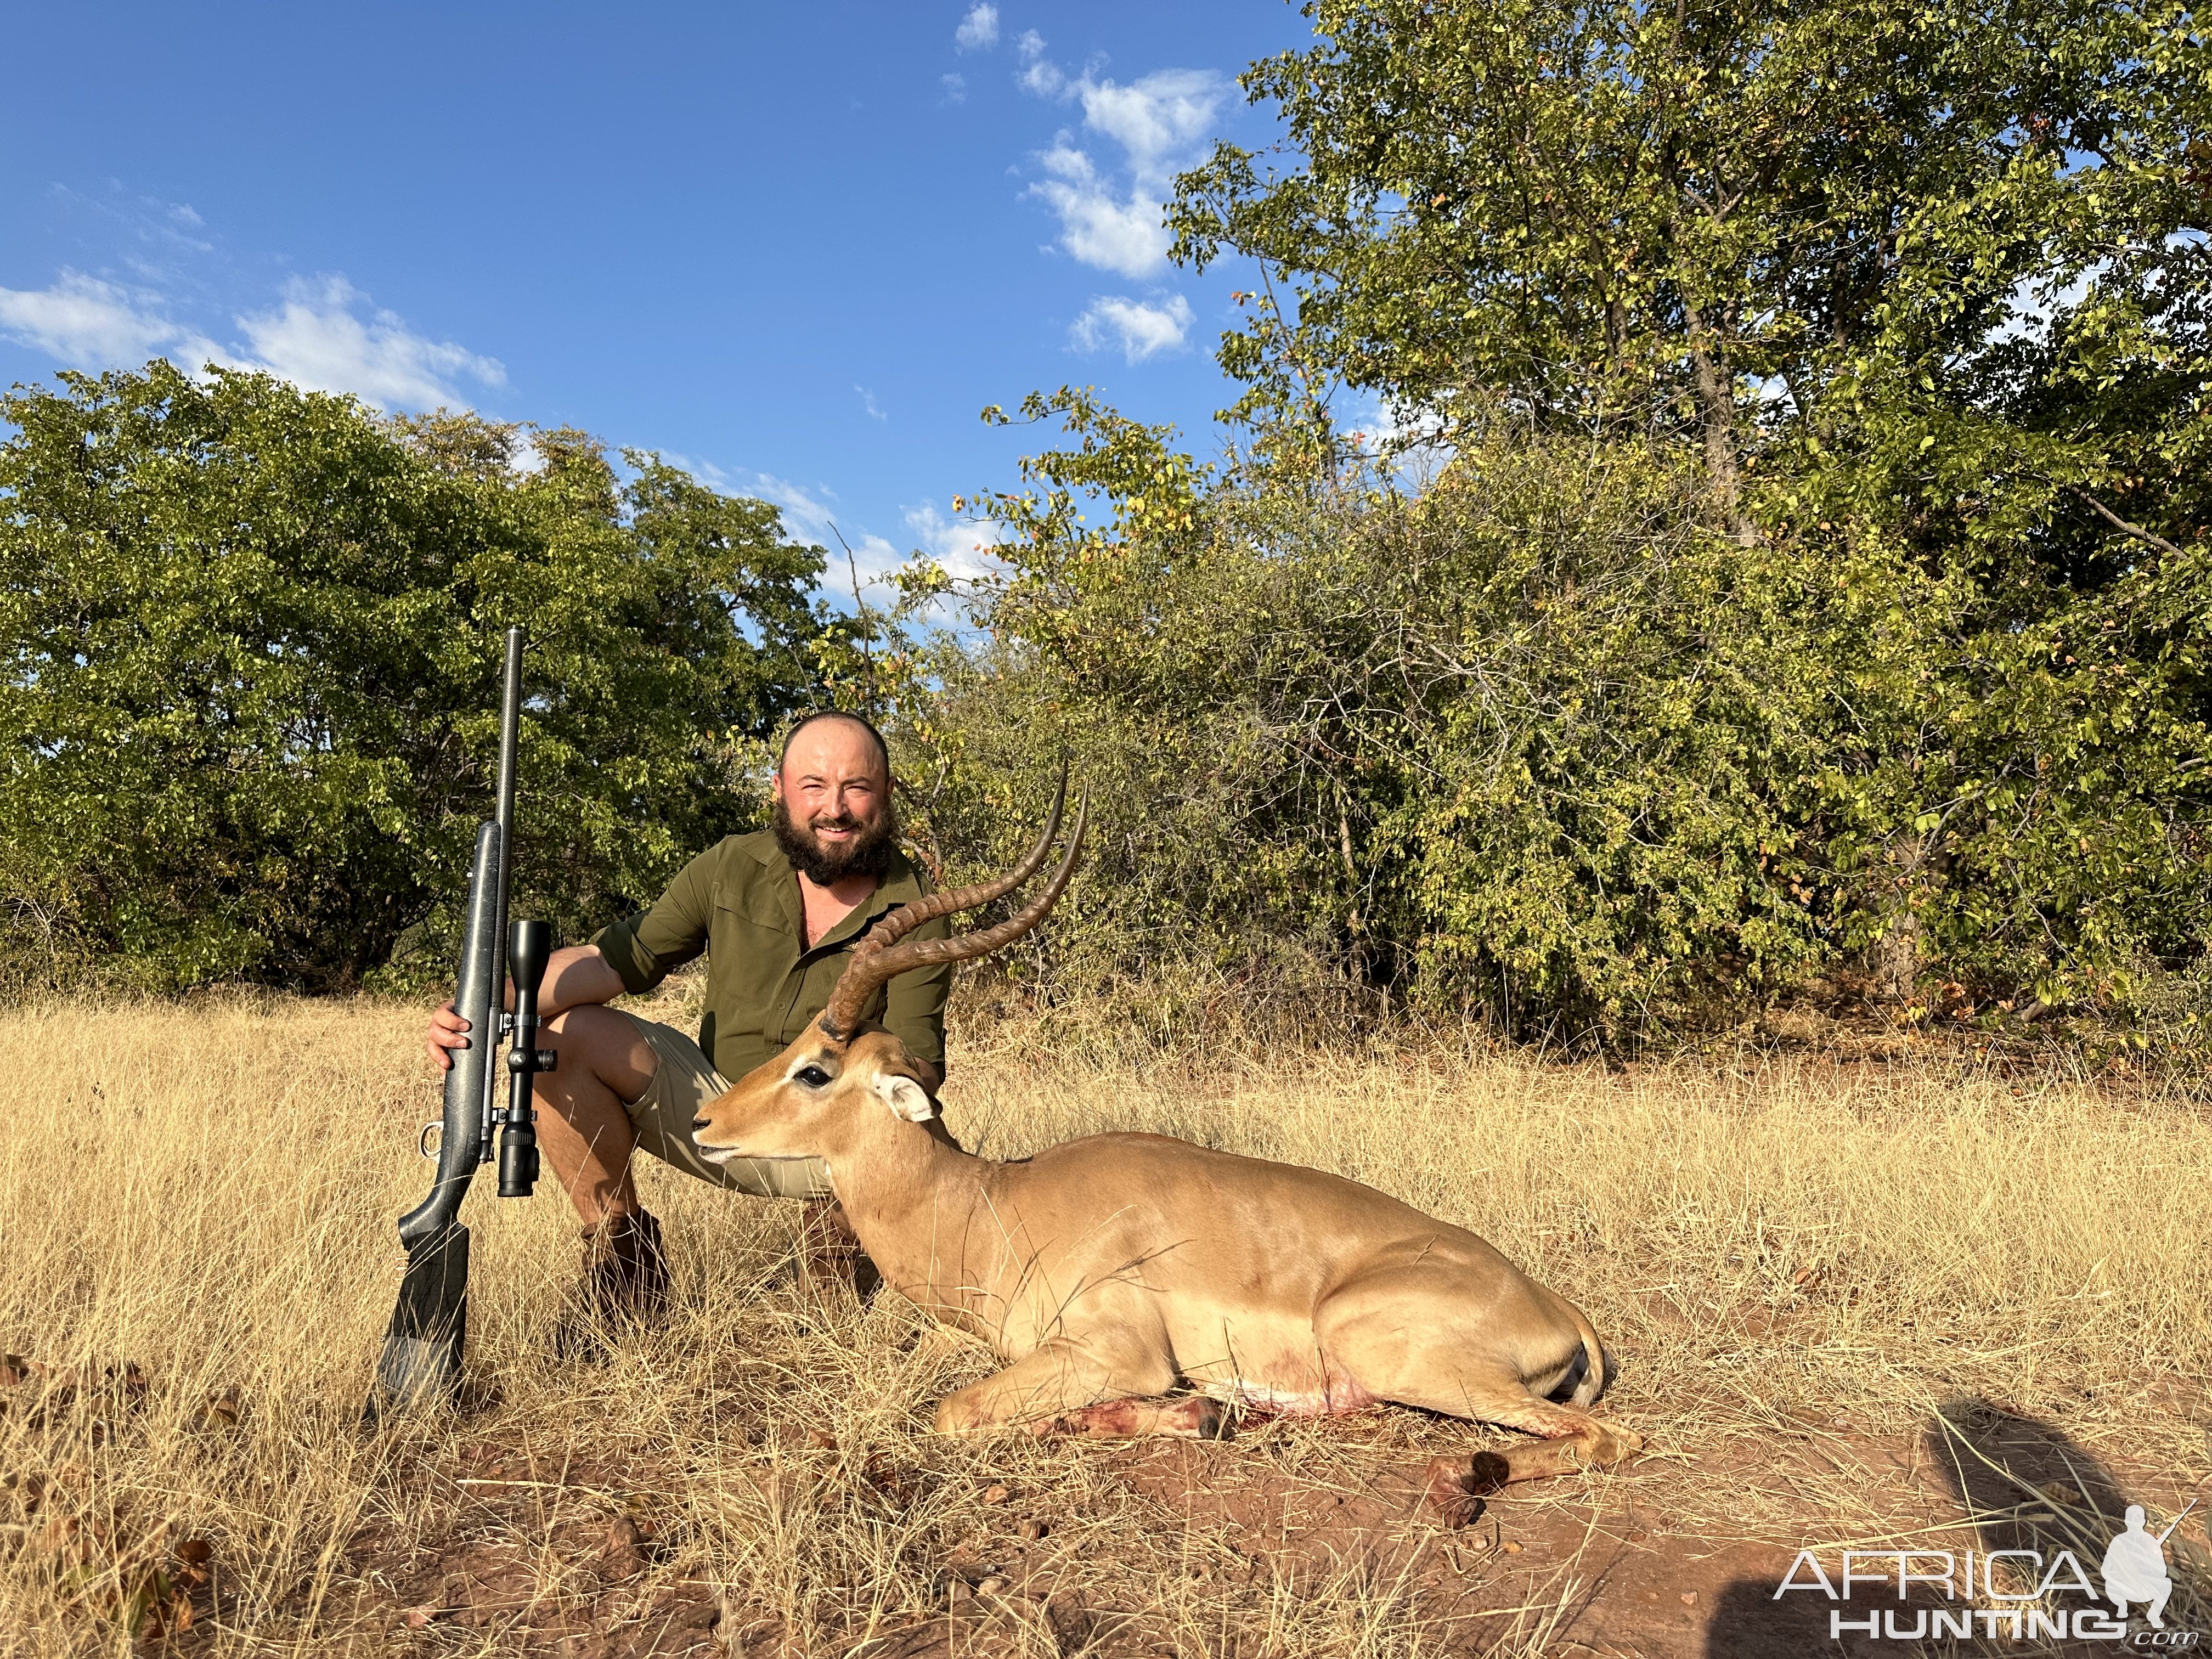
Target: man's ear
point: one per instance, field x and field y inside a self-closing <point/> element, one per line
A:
<point x="907" y="1098"/>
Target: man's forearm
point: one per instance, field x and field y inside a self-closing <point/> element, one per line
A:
<point x="575" y="976"/>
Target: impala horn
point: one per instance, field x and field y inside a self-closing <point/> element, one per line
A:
<point x="880" y="957"/>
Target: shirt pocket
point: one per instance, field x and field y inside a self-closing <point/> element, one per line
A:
<point x="822" y="979"/>
<point x="757" y="906"/>
<point x="750" y="962"/>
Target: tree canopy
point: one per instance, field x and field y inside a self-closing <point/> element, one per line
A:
<point x="249" y="642"/>
<point x="1811" y="575"/>
<point x="1741" y="222"/>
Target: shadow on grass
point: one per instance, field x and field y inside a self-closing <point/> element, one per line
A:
<point x="2018" y="1483"/>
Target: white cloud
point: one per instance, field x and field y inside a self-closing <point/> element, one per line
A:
<point x="807" y="516"/>
<point x="90" y="323"/>
<point x="955" y="88"/>
<point x="1399" y="433"/>
<point x="1038" y="74"/>
<point x="315" y="340"/>
<point x="525" y="460"/>
<point x="978" y="30"/>
<point x="1140" y="329"/>
<point x="1157" y="119"/>
<point x="872" y="558"/>
<point x="148" y="229"/>
<point x="812" y="515"/>
<point x="962" y="546"/>
<point x="1159" y="122"/>
<point x="868" y="403"/>
<point x="1128" y="237"/>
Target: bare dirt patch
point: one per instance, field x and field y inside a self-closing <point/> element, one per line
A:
<point x="1291" y="1537"/>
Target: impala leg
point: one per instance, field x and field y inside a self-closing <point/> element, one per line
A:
<point x="1397" y="1336"/>
<point x="1188" y="1417"/>
<point x="1069" y="1386"/>
<point x="1570" y="1439"/>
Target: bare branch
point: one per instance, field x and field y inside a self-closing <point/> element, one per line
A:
<point x="2147" y="537"/>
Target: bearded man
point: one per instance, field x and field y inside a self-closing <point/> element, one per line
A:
<point x="777" y="912"/>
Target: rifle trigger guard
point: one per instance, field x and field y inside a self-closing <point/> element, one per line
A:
<point x="423" y="1140"/>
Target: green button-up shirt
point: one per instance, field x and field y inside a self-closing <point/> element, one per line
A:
<point x="738" y="901"/>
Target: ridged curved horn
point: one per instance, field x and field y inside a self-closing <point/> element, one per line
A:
<point x="864" y="974"/>
<point x="908" y="917"/>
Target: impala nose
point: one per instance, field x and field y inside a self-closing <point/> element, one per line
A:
<point x="697" y="1124"/>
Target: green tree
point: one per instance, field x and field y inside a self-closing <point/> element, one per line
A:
<point x="1924" y="290"/>
<point x="1530" y="742"/>
<point x="1709" y="218"/>
<point x="249" y="654"/>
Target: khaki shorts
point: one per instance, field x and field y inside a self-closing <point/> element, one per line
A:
<point x="683" y="1081"/>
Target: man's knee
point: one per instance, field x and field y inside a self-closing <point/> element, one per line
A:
<point x="600" y="1044"/>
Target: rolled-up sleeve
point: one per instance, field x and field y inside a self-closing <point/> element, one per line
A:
<point x="914" y="1003"/>
<point x="644" y="948"/>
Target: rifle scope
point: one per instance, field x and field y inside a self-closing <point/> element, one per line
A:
<point x="532" y="943"/>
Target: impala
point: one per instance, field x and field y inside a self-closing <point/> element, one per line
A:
<point x="1108" y="1272"/>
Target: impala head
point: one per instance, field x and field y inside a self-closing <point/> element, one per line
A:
<point x="809" y="1101"/>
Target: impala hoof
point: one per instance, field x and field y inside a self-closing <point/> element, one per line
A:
<point x="1457" y="1485"/>
<point x="1600" y="1448"/>
<point x="1615" y="1444"/>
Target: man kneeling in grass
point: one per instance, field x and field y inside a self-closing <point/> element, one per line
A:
<point x="777" y="913"/>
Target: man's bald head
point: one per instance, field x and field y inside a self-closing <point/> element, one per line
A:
<point x="836" y="718"/>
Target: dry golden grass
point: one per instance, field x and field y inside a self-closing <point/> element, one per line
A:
<point x="208" y="1194"/>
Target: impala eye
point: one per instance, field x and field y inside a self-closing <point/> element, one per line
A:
<point x="813" y="1077"/>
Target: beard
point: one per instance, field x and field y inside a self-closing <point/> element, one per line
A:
<point x="868" y="853"/>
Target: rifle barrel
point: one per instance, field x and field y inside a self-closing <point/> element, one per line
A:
<point x="510" y="723"/>
<point x="2178" y="1520"/>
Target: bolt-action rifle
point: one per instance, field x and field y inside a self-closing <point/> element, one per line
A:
<point x="420" y="1363"/>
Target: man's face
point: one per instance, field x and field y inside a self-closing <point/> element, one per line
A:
<point x="835" y="794"/>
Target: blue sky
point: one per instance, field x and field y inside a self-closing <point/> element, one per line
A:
<point x="798" y="248"/>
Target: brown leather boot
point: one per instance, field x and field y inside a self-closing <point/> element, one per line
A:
<point x="625" y="1283"/>
<point x="830" y="1255"/>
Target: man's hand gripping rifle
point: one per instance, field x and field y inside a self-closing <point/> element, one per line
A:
<point x="421" y="1359"/>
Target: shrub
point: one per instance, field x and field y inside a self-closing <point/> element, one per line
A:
<point x="1542" y="743"/>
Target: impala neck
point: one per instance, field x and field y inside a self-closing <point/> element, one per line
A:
<point x="900" y="1184"/>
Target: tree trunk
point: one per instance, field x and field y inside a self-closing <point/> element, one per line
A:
<point x="1714" y="385"/>
<point x="1896" y="956"/>
<point x="1919" y="862"/>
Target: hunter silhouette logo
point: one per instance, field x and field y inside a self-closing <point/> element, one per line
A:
<point x="1981" y="1586"/>
<point x="2135" y="1567"/>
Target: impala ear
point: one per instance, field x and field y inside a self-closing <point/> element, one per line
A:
<point x="907" y="1098"/>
